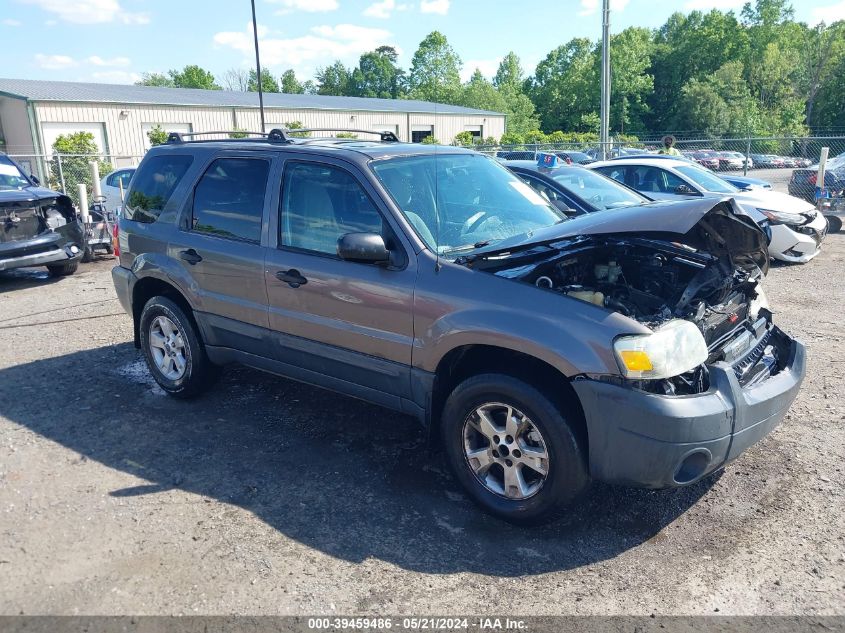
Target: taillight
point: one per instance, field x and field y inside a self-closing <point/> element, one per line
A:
<point x="114" y="240"/>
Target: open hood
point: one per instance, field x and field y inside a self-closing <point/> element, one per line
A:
<point x="717" y="226"/>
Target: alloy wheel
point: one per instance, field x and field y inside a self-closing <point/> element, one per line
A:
<point x="167" y="347"/>
<point x="505" y="451"/>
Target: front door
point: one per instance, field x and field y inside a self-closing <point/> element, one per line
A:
<point x="343" y="325"/>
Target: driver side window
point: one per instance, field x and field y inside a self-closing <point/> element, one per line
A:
<point x="320" y="204"/>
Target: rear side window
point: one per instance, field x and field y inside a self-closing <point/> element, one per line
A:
<point x="154" y="183"/>
<point x="229" y="199"/>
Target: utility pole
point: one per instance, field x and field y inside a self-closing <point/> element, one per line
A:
<point x="258" y="67"/>
<point x="605" y="79"/>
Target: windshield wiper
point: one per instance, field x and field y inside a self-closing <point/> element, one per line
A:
<point x="466" y="247"/>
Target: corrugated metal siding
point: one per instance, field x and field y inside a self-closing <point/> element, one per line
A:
<point x="125" y="136"/>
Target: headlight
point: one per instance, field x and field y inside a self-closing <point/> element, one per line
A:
<point x="782" y="217"/>
<point x="672" y="349"/>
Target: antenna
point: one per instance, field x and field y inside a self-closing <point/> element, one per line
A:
<point x="258" y="68"/>
<point x="436" y="196"/>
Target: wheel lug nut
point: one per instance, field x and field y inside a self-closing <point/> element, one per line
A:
<point x="509" y="439"/>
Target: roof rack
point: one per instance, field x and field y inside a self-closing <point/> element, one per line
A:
<point x="276" y="135"/>
<point x="385" y="135"/>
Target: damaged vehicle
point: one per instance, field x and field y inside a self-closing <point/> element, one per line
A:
<point x="631" y="345"/>
<point x="38" y="227"/>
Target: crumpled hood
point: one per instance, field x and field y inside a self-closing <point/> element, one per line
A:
<point x="718" y="226"/>
<point x="25" y="196"/>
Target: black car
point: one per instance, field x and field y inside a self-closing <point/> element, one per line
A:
<point x="803" y="182"/>
<point x="38" y="227"/>
<point x="575" y="190"/>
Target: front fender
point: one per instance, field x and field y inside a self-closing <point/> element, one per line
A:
<point x="160" y="266"/>
<point x="482" y="309"/>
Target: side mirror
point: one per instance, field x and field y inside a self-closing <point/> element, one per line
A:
<point x="684" y="190"/>
<point x="364" y="248"/>
<point x="35" y="180"/>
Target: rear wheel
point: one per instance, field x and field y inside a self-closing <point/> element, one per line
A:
<point x="512" y="449"/>
<point x="62" y="270"/>
<point x="834" y="224"/>
<point x="173" y="350"/>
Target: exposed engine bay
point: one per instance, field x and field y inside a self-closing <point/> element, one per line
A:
<point x="655" y="281"/>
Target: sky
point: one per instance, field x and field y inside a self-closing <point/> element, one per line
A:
<point x="114" y="41"/>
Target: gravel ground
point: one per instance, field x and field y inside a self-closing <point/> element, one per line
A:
<point x="270" y="497"/>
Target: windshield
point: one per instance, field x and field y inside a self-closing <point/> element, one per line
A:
<point x="706" y="180"/>
<point x="599" y="191"/>
<point x="459" y="201"/>
<point x="10" y="176"/>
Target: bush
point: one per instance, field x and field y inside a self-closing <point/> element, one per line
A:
<point x="511" y="138"/>
<point x="157" y="135"/>
<point x="346" y="135"/>
<point x="238" y="133"/>
<point x="77" y="150"/>
<point x="296" y="125"/>
<point x="430" y="140"/>
<point x="464" y="138"/>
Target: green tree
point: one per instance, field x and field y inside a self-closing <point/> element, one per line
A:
<point x="192" y="76"/>
<point x="481" y="94"/>
<point x="157" y="135"/>
<point x="435" y="71"/>
<point x="631" y="82"/>
<point x="268" y="82"/>
<point x="509" y="81"/>
<point x="333" y="80"/>
<point x="377" y="75"/>
<point x="77" y="150"/>
<point x="565" y="85"/>
<point x="822" y="51"/>
<point x="155" y="79"/>
<point x="296" y="125"/>
<point x="290" y="84"/>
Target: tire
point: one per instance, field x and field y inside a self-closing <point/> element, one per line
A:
<point x="189" y="372"/>
<point x="834" y="224"/>
<point x="88" y="255"/>
<point x="566" y="474"/>
<point x="62" y="270"/>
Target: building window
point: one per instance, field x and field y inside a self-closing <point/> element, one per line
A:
<point x="477" y="132"/>
<point x="420" y="132"/>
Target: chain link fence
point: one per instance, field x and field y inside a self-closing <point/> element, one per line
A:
<point x="64" y="172"/>
<point x="788" y="163"/>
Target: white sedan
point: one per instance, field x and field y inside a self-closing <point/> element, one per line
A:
<point x="110" y="186"/>
<point x="797" y="228"/>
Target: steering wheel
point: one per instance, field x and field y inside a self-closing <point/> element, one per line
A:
<point x="598" y="199"/>
<point x="473" y="222"/>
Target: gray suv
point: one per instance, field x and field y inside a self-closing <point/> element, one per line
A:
<point x="631" y="346"/>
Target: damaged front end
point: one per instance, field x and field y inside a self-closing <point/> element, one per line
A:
<point x="698" y="291"/>
<point x="38" y="227"/>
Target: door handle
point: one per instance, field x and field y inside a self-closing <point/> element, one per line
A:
<point x="291" y="277"/>
<point x="190" y="256"/>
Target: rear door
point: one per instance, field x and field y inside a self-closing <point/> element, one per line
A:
<point x="346" y="325"/>
<point x="220" y="246"/>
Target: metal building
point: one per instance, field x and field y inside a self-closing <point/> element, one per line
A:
<point x="34" y="112"/>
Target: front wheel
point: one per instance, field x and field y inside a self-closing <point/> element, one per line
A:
<point x="834" y="224"/>
<point x="512" y="448"/>
<point x="62" y="270"/>
<point x="175" y="355"/>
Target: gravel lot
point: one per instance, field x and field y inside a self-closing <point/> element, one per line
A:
<point x="270" y="497"/>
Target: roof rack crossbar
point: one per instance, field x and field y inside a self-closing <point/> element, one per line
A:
<point x="385" y="135"/>
<point x="276" y="135"/>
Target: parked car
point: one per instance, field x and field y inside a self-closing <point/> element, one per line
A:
<point x="431" y="280"/>
<point x="110" y="186"/>
<point x="797" y="229"/>
<point x="38" y="227"/>
<point x="579" y="158"/>
<point x="802" y="183"/>
<point x="767" y="161"/>
<point x="573" y="189"/>
<point x="740" y="182"/>
<point x="731" y="160"/>
<point x="704" y="159"/>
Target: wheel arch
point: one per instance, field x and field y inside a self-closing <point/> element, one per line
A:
<point x="465" y="361"/>
<point x="148" y="287"/>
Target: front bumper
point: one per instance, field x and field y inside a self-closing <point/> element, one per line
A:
<point x="52" y="247"/>
<point x="798" y="245"/>
<point x="655" y="441"/>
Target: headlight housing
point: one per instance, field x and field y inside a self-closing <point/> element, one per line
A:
<point x="672" y="349"/>
<point x="782" y="217"/>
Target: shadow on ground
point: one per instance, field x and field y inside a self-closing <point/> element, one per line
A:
<point x="22" y="278"/>
<point x="349" y="479"/>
